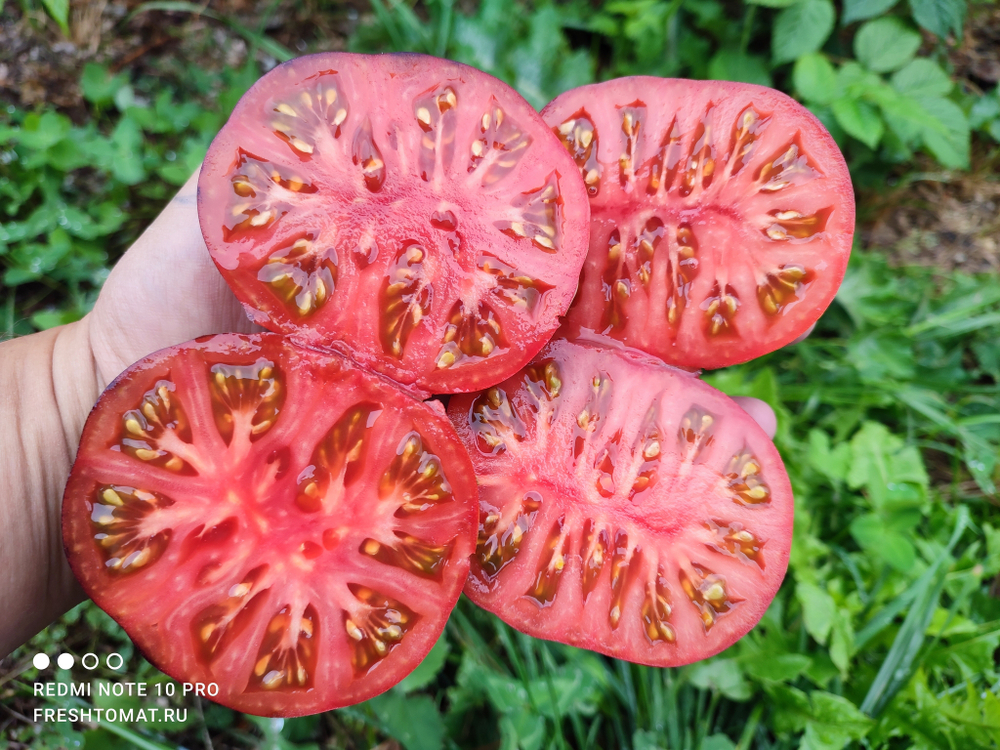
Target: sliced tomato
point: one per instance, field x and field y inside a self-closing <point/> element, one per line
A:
<point x="412" y="212"/>
<point x="722" y="216"/>
<point x="274" y="521"/>
<point x="624" y="506"/>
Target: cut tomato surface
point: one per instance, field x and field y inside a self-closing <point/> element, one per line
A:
<point x="415" y="213"/>
<point x="275" y="521"/>
<point x="722" y="216"/>
<point x="625" y="506"/>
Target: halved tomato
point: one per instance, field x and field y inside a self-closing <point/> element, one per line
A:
<point x="412" y="212"/>
<point x="274" y="521"/>
<point x="624" y="506"/>
<point x="722" y="216"/>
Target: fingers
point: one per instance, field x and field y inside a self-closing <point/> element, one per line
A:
<point x="761" y="412"/>
<point x="163" y="291"/>
<point x="805" y="335"/>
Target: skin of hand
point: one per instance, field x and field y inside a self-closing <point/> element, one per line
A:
<point x="165" y="290"/>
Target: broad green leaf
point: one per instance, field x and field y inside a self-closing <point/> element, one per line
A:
<point x="842" y="640"/>
<point x="869" y="530"/>
<point x="127" y="162"/>
<point x="829" y="721"/>
<point x="428" y="669"/>
<point x="42" y="131"/>
<point x="905" y="117"/>
<point x="818" y="609"/>
<point x="885" y="44"/>
<point x="776" y="667"/>
<point x="939" y="17"/>
<point x="882" y="356"/>
<point x="732" y="65"/>
<point x="985" y="109"/>
<point x="860" y="120"/>
<point x="800" y="29"/>
<point x="922" y="77"/>
<point x="880" y="459"/>
<point x="835" y="462"/>
<point x="860" y="10"/>
<point x="772" y="3"/>
<point x="724" y="675"/>
<point x="98" y="84"/>
<point x="947" y="134"/>
<point x="412" y="720"/>
<point x="59" y="10"/>
<point x="814" y="78"/>
<point x="644" y="739"/>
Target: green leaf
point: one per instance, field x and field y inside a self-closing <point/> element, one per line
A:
<point x="724" y="675"/>
<point x="801" y="28"/>
<point x="834" y="463"/>
<point x="885" y="44"/>
<point x="842" y="640"/>
<point x="860" y="120"/>
<point x="830" y="721"/>
<point x="939" y="16"/>
<point x="428" y="669"/>
<point x="881" y="459"/>
<point x="818" y="609"/>
<point x="772" y="3"/>
<point x="922" y="77"/>
<point x="947" y="134"/>
<point x="814" y="78"/>
<point x="882" y="356"/>
<point x="644" y="739"/>
<point x="733" y="65"/>
<point x="869" y="530"/>
<point x="859" y="10"/>
<point x="777" y="667"/>
<point x="59" y="10"/>
<point x="412" y="720"/>
<point x="98" y="85"/>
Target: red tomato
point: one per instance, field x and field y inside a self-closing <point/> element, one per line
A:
<point x="272" y="520"/>
<point x="624" y="506"/>
<point x="414" y="213"/>
<point x="722" y="216"/>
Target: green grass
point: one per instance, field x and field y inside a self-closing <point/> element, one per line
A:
<point x="885" y="633"/>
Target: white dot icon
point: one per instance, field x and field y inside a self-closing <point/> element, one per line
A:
<point x="65" y="661"/>
<point x="41" y="661"/>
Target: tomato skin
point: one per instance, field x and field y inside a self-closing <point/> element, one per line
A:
<point x="238" y="555"/>
<point x="588" y="448"/>
<point x="356" y="224"/>
<point x="749" y="230"/>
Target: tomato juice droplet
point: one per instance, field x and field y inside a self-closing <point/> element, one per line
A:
<point x="415" y="213"/>
<point x="722" y="216"/>
<point x="283" y="503"/>
<point x="625" y="506"/>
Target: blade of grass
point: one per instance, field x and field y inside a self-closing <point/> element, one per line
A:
<point x="418" y="34"/>
<point x="977" y="301"/>
<point x="746" y="737"/>
<point x="443" y="35"/>
<point x="274" y="49"/>
<point x="962" y="327"/>
<point x="897" y="666"/>
<point x="387" y="21"/>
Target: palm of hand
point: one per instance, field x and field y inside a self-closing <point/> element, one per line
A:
<point x="165" y="290"/>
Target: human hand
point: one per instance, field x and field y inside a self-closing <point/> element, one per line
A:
<point x="165" y="290"/>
